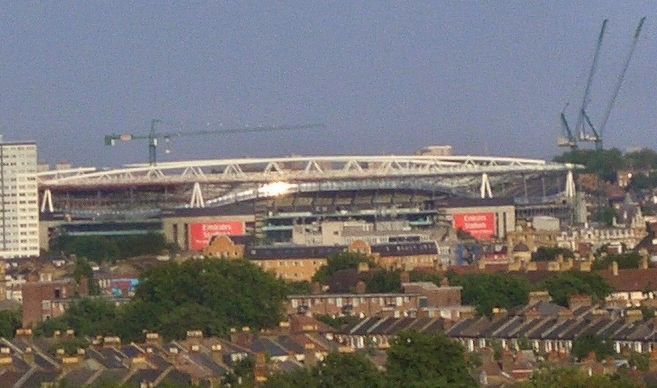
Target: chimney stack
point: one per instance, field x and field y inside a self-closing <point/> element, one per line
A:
<point x="539" y="296"/>
<point x="310" y="357"/>
<point x="28" y="355"/>
<point x="216" y="353"/>
<point x="614" y="268"/>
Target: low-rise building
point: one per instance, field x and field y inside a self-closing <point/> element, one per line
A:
<point x="301" y="262"/>
<point x="359" y="305"/>
<point x="599" y="236"/>
<point x="47" y="298"/>
<point x="346" y="232"/>
<point x="418" y="299"/>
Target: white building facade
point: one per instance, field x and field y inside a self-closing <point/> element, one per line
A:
<point x="19" y="208"/>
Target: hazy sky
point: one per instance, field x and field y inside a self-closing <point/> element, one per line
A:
<point x="386" y="77"/>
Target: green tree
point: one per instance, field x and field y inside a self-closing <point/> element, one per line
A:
<point x="642" y="181"/>
<point x="624" y="260"/>
<point x="605" y="215"/>
<point x="348" y="370"/>
<point x="586" y="344"/>
<point x="10" y="320"/>
<point x="298" y="378"/>
<point x="383" y="281"/>
<point x="639" y="361"/>
<point x="338" y="322"/>
<point x="340" y="261"/>
<point x="95" y="248"/>
<point x="424" y="276"/>
<point x="424" y="360"/>
<point x="575" y="378"/>
<point x="137" y="245"/>
<point x="551" y="253"/>
<point x="88" y="317"/>
<point x="296" y="288"/>
<point x="336" y="370"/>
<point x="565" y="284"/>
<point x="69" y="345"/>
<point x="241" y="374"/>
<point x="603" y="162"/>
<point x="210" y="295"/>
<point x="101" y="248"/>
<point x="83" y="269"/>
<point x="486" y="291"/>
<point x="644" y="159"/>
<point x="647" y="312"/>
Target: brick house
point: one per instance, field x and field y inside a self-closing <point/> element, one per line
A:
<point x="48" y="298"/>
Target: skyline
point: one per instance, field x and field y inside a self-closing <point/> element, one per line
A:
<point x="487" y="79"/>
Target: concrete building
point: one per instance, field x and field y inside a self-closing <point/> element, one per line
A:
<point x="19" y="208"/>
<point x="346" y="232"/>
<point x="484" y="219"/>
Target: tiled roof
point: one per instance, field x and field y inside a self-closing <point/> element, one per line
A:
<point x="78" y="376"/>
<point x="144" y="376"/>
<point x="268" y="346"/>
<point x="632" y="279"/>
<point x="292" y="252"/>
<point x="406" y="249"/>
<point x="39" y="377"/>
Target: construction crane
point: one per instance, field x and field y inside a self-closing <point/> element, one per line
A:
<point x="585" y="130"/>
<point x="154" y="136"/>
<point x="619" y="83"/>
<point x="570" y="137"/>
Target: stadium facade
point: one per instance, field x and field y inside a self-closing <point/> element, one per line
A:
<point x="263" y="198"/>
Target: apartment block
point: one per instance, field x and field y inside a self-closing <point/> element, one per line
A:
<point x="19" y="209"/>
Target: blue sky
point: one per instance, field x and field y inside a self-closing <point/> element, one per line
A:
<point x="385" y="77"/>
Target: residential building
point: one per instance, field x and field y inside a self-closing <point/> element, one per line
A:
<point x="19" y="208"/>
<point x="48" y="298"/>
<point x="359" y="305"/>
<point x="418" y="299"/>
<point x="541" y="324"/>
<point x="599" y="236"/>
<point x="300" y="262"/>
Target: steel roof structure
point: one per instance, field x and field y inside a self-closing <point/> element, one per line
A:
<point x="306" y="173"/>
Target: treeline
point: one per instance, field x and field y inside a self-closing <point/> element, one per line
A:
<point x="216" y="295"/>
<point x="433" y="360"/>
<point x="481" y="290"/>
<point x="110" y="248"/>
<point x="608" y="162"/>
<point x="209" y="295"/>
<point x="413" y="360"/>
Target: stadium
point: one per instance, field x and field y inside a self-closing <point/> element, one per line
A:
<point x="265" y="197"/>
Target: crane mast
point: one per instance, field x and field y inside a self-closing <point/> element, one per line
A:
<point x="586" y="99"/>
<point x="619" y="81"/>
<point x="584" y="130"/>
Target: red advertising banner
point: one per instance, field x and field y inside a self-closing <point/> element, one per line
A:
<point x="200" y="234"/>
<point x="480" y="225"/>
